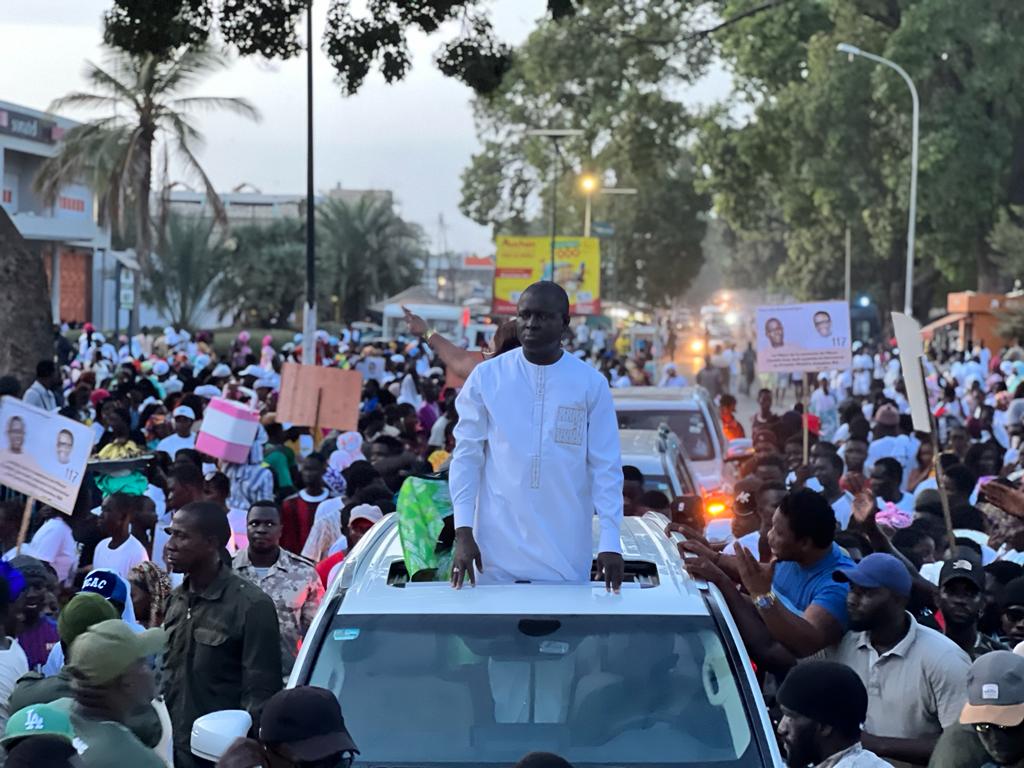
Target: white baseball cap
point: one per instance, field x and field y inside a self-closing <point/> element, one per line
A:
<point x="184" y="411"/>
<point x="209" y="391"/>
<point x="369" y="512"/>
<point x="220" y="371"/>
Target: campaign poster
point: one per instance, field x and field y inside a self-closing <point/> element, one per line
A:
<point x="908" y="337"/>
<point x="522" y="261"/>
<point x="795" y="338"/>
<point x="42" y="454"/>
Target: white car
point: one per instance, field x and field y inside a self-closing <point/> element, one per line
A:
<point x="430" y="676"/>
<point x="691" y="414"/>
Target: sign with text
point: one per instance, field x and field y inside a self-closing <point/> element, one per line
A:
<point x="794" y="338"/>
<point x="42" y="454"/>
<point x="336" y="392"/>
<point x="522" y="261"/>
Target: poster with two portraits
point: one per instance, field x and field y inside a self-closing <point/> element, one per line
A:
<point x="43" y="454"/>
<point x="803" y="338"/>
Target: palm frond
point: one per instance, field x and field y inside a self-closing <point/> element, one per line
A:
<point x="238" y="106"/>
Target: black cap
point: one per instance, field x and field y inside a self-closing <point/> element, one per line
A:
<point x="307" y="721"/>
<point x="826" y="692"/>
<point x="962" y="567"/>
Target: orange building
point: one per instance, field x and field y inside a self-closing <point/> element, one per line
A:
<point x="973" y="317"/>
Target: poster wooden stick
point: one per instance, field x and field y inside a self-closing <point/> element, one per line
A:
<point x="806" y="420"/>
<point x="25" y="517"/>
<point x="317" y="435"/>
<point x="937" y="465"/>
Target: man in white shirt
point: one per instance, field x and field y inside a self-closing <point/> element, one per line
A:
<point x="885" y="478"/>
<point x="671" y="377"/>
<point x="828" y="469"/>
<point x="536" y="457"/>
<point x="53" y="543"/>
<point x="120" y="551"/>
<point x="184" y="418"/>
<point x="41" y="393"/>
<point x="887" y="440"/>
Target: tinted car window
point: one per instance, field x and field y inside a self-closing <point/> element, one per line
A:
<point x="690" y="426"/>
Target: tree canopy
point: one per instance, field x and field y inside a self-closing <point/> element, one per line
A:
<point x="815" y="142"/>
<point x="619" y="91"/>
<point x="354" y="43"/>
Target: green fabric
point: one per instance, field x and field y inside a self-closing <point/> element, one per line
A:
<point x="423" y="503"/>
<point x="278" y="464"/>
<point x="134" y="484"/>
<point x="104" y="743"/>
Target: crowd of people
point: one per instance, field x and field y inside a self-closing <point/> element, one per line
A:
<point x="183" y="585"/>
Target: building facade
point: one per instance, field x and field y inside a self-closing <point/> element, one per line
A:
<point x="65" y="235"/>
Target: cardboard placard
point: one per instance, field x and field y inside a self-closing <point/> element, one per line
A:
<point x="805" y="338"/>
<point x="307" y="389"/>
<point x="43" y="454"/>
<point x="908" y="337"/>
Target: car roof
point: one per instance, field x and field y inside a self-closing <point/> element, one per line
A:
<point x="682" y="395"/>
<point x="643" y="541"/>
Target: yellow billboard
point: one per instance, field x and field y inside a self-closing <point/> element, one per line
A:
<point x="522" y="261"/>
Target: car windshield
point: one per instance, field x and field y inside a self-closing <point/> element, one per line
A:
<point x="485" y="690"/>
<point x="689" y="425"/>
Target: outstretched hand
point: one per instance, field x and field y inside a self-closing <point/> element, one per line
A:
<point x="864" y="509"/>
<point x="612" y="568"/>
<point x="467" y="556"/>
<point x="1007" y="498"/>
<point x="417" y="325"/>
<point x="756" y="576"/>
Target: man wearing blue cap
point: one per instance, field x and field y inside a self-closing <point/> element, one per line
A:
<point x="915" y="677"/>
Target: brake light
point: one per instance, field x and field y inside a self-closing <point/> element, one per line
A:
<point x="716" y="504"/>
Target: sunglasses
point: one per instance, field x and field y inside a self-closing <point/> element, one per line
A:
<point x="990" y="728"/>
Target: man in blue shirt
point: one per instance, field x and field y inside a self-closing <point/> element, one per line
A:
<point x="799" y="604"/>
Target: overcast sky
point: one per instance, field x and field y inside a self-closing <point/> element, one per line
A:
<point x="413" y="138"/>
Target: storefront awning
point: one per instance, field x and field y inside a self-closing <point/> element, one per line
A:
<point x="930" y="329"/>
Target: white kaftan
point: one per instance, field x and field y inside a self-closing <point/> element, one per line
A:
<point x="536" y="457"/>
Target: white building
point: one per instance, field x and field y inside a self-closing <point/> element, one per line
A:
<point x="70" y="244"/>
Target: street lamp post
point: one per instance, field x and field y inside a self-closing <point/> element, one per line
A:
<point x="309" y="319"/>
<point x="852" y="50"/>
<point x="555" y="134"/>
<point x="590" y="185"/>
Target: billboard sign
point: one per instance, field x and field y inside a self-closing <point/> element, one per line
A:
<point x="522" y="261"/>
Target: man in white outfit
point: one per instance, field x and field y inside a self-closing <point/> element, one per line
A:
<point x="536" y="457"/>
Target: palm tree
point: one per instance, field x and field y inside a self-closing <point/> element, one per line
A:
<point x="147" y="103"/>
<point x="368" y="252"/>
<point x="184" y="270"/>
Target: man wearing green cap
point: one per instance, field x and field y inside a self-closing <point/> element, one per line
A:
<point x="112" y="678"/>
<point x="82" y="612"/>
<point x="36" y="720"/>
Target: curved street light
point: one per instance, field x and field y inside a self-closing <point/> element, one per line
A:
<point x="851" y="51"/>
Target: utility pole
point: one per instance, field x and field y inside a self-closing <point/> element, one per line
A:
<point x="309" y="319"/>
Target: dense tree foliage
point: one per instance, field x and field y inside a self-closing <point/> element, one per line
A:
<point x="619" y="90"/>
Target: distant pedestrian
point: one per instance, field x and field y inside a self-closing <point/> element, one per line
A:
<point x="43" y="391"/>
<point x="823" y="704"/>
<point x="710" y="378"/>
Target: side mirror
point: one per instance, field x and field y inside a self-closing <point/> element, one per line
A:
<point x="212" y="734"/>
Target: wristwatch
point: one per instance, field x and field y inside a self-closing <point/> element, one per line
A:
<point x="763" y="602"/>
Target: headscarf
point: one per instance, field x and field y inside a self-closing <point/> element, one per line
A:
<point x="156" y="583"/>
<point x="349" y="450"/>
